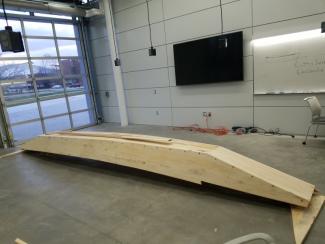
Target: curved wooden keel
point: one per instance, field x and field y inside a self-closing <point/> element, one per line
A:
<point x="190" y="161"/>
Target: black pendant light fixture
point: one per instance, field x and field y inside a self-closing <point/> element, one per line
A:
<point x="10" y="40"/>
<point x="152" y="50"/>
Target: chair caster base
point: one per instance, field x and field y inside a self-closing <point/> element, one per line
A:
<point x="304" y="143"/>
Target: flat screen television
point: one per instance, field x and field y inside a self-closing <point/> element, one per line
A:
<point x="209" y="60"/>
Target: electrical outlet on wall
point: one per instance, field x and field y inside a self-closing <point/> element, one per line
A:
<point x="207" y="114"/>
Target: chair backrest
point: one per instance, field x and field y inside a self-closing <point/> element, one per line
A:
<point x="314" y="105"/>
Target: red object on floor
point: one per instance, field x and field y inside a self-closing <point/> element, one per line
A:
<point x="220" y="131"/>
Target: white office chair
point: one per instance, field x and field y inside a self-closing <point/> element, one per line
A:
<point x="316" y="111"/>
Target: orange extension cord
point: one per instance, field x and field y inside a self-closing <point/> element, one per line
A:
<point x="220" y="131"/>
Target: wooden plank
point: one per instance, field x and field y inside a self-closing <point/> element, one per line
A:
<point x="19" y="241"/>
<point x="190" y="161"/>
<point x="303" y="218"/>
<point x="126" y="136"/>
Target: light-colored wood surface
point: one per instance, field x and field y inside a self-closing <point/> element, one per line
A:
<point x="18" y="241"/>
<point x="303" y="218"/>
<point x="125" y="136"/>
<point x="190" y="161"/>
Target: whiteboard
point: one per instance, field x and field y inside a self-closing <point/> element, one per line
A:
<point x="290" y="67"/>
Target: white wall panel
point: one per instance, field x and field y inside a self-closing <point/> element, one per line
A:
<point x="146" y="79"/>
<point x="111" y="114"/>
<point x="108" y="101"/>
<point x="140" y="38"/>
<point x="103" y="65"/>
<point x="194" y="25"/>
<point x="119" y="5"/>
<point x="100" y="47"/>
<point x="140" y="60"/>
<point x="150" y="116"/>
<point x="133" y="39"/>
<point x="266" y="11"/>
<point x="237" y="15"/>
<point x="213" y="95"/>
<point x="288" y="119"/>
<point x="296" y="100"/>
<point x="156" y="11"/>
<point x="156" y="97"/>
<point x="227" y="117"/>
<point x="131" y="18"/>
<point x="289" y="26"/>
<point x="175" y="8"/>
<point x="105" y="83"/>
<point x="97" y="28"/>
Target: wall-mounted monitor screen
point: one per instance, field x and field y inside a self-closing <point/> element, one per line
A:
<point x="209" y="60"/>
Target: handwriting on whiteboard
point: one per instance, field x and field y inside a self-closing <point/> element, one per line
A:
<point x="303" y="64"/>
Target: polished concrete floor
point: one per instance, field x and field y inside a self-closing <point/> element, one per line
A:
<point x="47" y="199"/>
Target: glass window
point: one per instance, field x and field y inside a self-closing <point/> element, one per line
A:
<point x="50" y="87"/>
<point x="83" y="118"/>
<point x="59" y="81"/>
<point x="27" y="131"/>
<point x="45" y="67"/>
<point x="41" y="47"/>
<point x="72" y="66"/>
<point x="76" y="85"/>
<point x="68" y="48"/>
<point x="15" y="24"/>
<point x="38" y="28"/>
<point x="65" y="30"/>
<point x="57" y="123"/>
<point x="54" y="106"/>
<point x="23" y="112"/>
<point x="15" y="91"/>
<point x="14" y="70"/>
<point x="78" y="102"/>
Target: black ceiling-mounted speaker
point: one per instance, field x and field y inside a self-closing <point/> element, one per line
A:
<point x="152" y="51"/>
<point x="323" y="27"/>
<point x="11" y="41"/>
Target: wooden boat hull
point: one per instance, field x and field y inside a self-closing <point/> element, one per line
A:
<point x="189" y="161"/>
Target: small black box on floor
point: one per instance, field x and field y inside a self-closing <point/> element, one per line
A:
<point x="323" y="27"/>
<point x="11" y="41"/>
